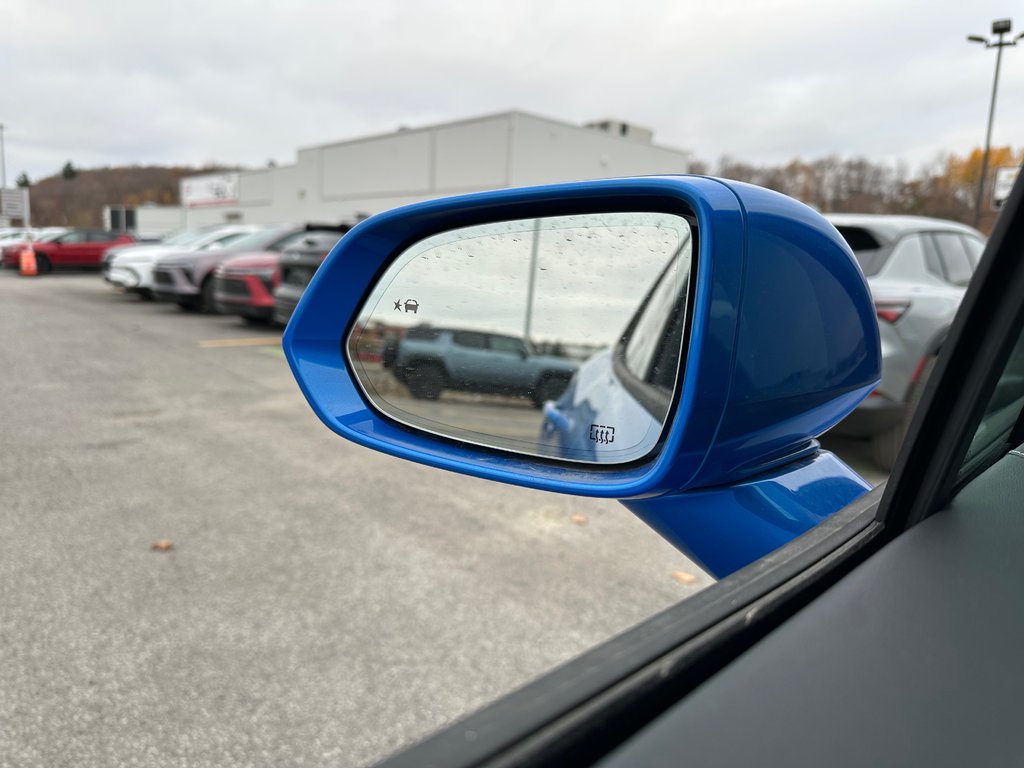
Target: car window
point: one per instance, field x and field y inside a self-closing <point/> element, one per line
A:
<point x="423" y="334"/>
<point x="225" y="240"/>
<point x="287" y="241"/>
<point x="644" y="343"/>
<point x="72" y="237"/>
<point x="470" y="339"/>
<point x="974" y="247"/>
<point x="187" y="237"/>
<point x="507" y="344"/>
<point x="866" y="247"/>
<point x="907" y="261"/>
<point x="316" y="241"/>
<point x="956" y="265"/>
<point x="254" y="241"/>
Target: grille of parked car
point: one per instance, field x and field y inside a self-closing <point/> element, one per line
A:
<point x="164" y="278"/>
<point x="232" y="287"/>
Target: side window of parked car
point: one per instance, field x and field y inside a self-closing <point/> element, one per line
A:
<point x="911" y="260"/>
<point x="652" y="345"/>
<point x="866" y="248"/>
<point x="975" y="247"/>
<point x="423" y="334"/>
<point x="507" y="344"/>
<point x="72" y="237"/>
<point x="288" y="241"/>
<point x="470" y="339"/>
<point x="956" y="265"/>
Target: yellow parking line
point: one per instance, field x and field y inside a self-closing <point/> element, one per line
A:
<point x="257" y="341"/>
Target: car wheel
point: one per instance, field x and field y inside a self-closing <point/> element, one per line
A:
<point x="885" y="446"/>
<point x="207" y="303"/>
<point x="43" y="265"/>
<point x="550" y="388"/>
<point x="425" y="381"/>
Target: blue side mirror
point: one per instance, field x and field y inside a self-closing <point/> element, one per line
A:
<point x="689" y="339"/>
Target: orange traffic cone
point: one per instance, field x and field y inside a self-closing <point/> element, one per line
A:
<point x="27" y="265"/>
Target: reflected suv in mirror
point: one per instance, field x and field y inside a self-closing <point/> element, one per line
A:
<point x="430" y="360"/>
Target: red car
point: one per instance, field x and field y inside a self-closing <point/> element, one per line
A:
<point x="244" y="285"/>
<point x="78" y="248"/>
<point x="11" y="251"/>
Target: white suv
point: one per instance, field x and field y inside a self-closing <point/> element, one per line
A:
<point x="132" y="268"/>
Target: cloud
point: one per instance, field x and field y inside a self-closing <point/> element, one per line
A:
<point x="111" y="82"/>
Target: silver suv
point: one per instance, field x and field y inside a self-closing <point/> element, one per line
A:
<point x="918" y="269"/>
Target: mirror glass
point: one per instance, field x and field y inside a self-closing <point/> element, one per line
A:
<point x="557" y="337"/>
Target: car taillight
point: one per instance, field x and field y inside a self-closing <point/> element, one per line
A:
<point x="891" y="310"/>
<point x="275" y="279"/>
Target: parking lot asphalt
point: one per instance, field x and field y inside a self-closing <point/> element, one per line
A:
<point x="314" y="602"/>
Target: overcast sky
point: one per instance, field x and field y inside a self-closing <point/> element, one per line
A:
<point x="107" y="82"/>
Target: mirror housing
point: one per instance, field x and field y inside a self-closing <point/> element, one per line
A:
<point x="783" y="339"/>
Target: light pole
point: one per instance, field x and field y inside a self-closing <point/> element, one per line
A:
<point x="1000" y="27"/>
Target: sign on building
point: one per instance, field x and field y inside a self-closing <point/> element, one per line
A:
<point x="212" y="189"/>
<point x="1005" y="177"/>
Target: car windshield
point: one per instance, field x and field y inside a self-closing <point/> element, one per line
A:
<point x="255" y="241"/>
<point x="223" y="241"/>
<point x="185" y="237"/>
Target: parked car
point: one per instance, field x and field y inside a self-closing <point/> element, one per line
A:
<point x="430" y="360"/>
<point x="244" y="284"/>
<point x="132" y="268"/>
<point x="12" y="249"/>
<point x="187" y="278"/>
<point x="79" y="248"/>
<point x="885" y="625"/>
<point x="297" y="266"/>
<point x="918" y="270"/>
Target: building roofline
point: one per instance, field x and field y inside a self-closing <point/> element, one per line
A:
<point x="508" y="113"/>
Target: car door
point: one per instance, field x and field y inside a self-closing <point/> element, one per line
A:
<point x="888" y="635"/>
<point x="66" y="250"/>
<point x="97" y="241"/>
<point x="469" y="360"/>
<point x="511" y="369"/>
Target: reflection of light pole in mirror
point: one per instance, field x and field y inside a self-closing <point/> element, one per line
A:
<point x="532" y="277"/>
<point x="1000" y="27"/>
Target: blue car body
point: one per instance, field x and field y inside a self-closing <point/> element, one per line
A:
<point x="781" y="344"/>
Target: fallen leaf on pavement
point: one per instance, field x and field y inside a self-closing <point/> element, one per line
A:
<point x="683" y="577"/>
<point x="579" y="519"/>
<point x="162" y="545"/>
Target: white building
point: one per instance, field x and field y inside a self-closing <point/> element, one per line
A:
<point x="372" y="174"/>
